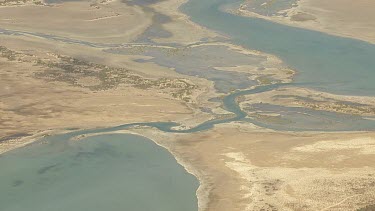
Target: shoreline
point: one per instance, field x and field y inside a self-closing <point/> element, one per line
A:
<point x="204" y="189"/>
<point x="169" y="141"/>
<point x="312" y="25"/>
<point x="13" y="144"/>
<point x="202" y="192"/>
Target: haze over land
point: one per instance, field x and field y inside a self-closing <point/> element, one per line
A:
<point x="234" y="109"/>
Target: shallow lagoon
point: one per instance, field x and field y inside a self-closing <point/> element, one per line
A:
<point x="303" y="119"/>
<point x="106" y="172"/>
<point x="202" y="61"/>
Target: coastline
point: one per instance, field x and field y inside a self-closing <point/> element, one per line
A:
<point x="318" y="22"/>
<point x="157" y="137"/>
<point x="173" y="142"/>
<point x="170" y="141"/>
<point x="204" y="188"/>
<point x="13" y="144"/>
<point x="202" y="192"/>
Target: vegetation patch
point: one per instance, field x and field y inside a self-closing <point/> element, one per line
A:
<point x="98" y="77"/>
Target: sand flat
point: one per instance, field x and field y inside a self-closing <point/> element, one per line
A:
<point x="250" y="169"/>
<point x="337" y="17"/>
<point x="114" y="22"/>
<point x="343" y="17"/>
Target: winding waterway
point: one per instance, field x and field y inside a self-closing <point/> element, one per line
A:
<point x="328" y="63"/>
<point x="112" y="171"/>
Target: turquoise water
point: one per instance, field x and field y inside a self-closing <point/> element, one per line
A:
<point x="108" y="172"/>
<point x="325" y="62"/>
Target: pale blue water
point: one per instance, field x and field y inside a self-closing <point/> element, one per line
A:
<point x="126" y="172"/>
<point x="108" y="172"/>
<point x="324" y="62"/>
<point x="201" y="61"/>
<point x="300" y="119"/>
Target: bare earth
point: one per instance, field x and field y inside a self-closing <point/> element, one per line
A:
<point x="346" y="18"/>
<point x="246" y="168"/>
<point x="70" y="72"/>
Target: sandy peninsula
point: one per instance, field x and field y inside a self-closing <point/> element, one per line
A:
<point x="345" y="18"/>
<point x="242" y="167"/>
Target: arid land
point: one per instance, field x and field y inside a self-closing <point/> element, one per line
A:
<point x="338" y="17"/>
<point x="93" y="73"/>
<point x="242" y="167"/>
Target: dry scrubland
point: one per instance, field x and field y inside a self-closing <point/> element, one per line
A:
<point x="311" y="99"/>
<point x="37" y="97"/>
<point x="49" y="84"/>
<point x="70" y="80"/>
